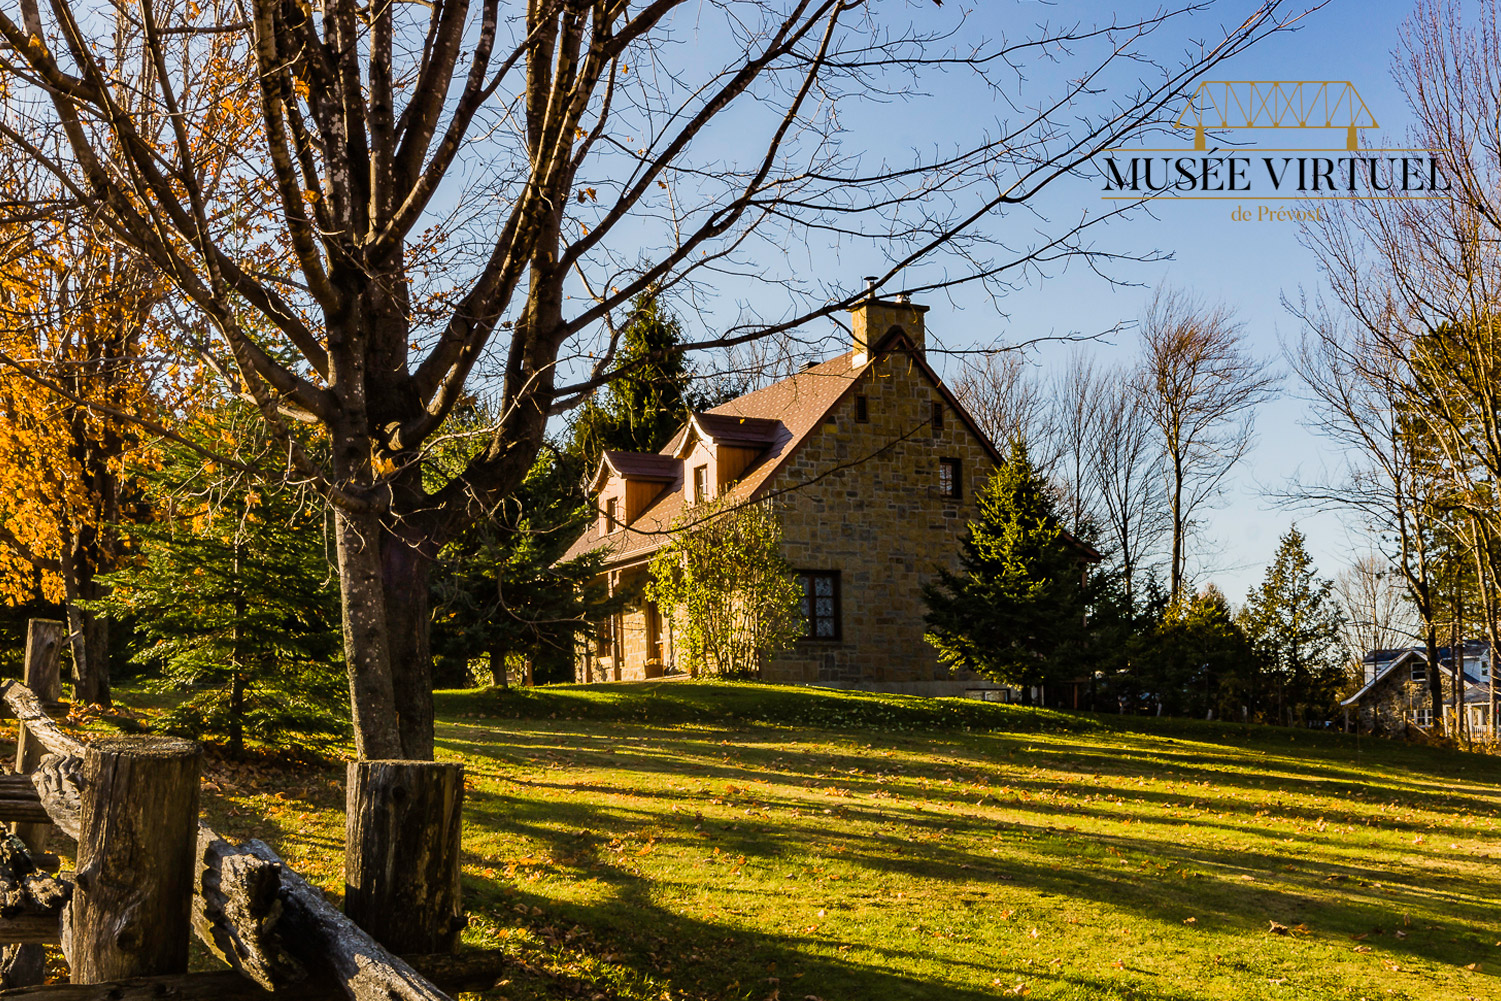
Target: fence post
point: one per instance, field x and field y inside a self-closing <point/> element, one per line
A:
<point x="401" y="855"/>
<point x="136" y="845"/>
<point x="44" y="648"/>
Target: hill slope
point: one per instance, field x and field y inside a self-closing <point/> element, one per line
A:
<point x="710" y="841"/>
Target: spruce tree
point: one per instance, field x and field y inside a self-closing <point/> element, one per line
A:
<point x="232" y="593"/>
<point x="648" y="401"/>
<point x="1294" y="624"/>
<point x="1015" y="611"/>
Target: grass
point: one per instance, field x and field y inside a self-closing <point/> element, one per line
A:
<point x="702" y="841"/>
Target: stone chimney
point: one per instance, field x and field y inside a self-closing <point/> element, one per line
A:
<point x="874" y="319"/>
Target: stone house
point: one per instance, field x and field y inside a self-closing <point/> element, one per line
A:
<point x="1395" y="690"/>
<point x="872" y="465"/>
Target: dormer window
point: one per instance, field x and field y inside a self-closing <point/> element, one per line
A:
<point x="612" y="512"/>
<point x="700" y="484"/>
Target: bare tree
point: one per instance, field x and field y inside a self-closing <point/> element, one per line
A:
<point x="1201" y="386"/>
<point x="428" y="188"/>
<point x="1358" y="390"/>
<point x="1414" y="385"/>
<point x="999" y="391"/>
<point x="1126" y="460"/>
<point x="1073" y="425"/>
<point x="1378" y="615"/>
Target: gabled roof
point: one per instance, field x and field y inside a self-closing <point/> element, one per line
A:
<point x="1399" y="658"/>
<point x="794" y="407"/>
<point x="650" y="466"/>
<point x="729" y="429"/>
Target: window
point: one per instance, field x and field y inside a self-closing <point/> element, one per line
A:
<point x="700" y="484"/>
<point x="1419" y="672"/>
<point x="820" y="604"/>
<point x="949" y="478"/>
<point x="937" y="417"/>
<point x="1423" y="717"/>
<point x="612" y="509"/>
<point x="862" y="410"/>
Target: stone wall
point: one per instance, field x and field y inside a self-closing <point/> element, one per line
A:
<point x="1388" y="707"/>
<point x="863" y="499"/>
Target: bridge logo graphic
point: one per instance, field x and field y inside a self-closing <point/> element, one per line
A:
<point x="1222" y="105"/>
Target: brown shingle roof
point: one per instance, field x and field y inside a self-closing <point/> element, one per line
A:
<point x="651" y="466"/>
<point x="731" y="429"/>
<point x="781" y="415"/>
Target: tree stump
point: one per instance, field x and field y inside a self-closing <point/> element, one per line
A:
<point x="136" y="847"/>
<point x="401" y="856"/>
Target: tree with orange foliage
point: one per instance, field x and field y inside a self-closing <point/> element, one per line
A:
<point x="78" y="342"/>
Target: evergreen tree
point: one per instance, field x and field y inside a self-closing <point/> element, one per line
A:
<point x="1294" y="624"/>
<point x="1015" y="611"/>
<point x="1196" y="661"/>
<point x="648" y="401"/>
<point x="232" y="593"/>
<point x="501" y="596"/>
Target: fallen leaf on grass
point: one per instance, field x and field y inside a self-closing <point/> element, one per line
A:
<point x="1400" y="933"/>
<point x="1190" y="921"/>
<point x="1278" y="928"/>
<point x="1361" y="937"/>
<point x="1362" y="948"/>
<point x="1472" y="966"/>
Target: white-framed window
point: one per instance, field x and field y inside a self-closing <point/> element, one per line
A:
<point x="1422" y="717"/>
<point x="1419" y="671"/>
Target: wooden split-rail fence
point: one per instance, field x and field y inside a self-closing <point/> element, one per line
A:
<point x="149" y="874"/>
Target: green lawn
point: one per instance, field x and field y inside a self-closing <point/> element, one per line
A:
<point x="672" y="840"/>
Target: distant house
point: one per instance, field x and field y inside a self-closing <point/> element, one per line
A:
<point x="872" y="465"/>
<point x="1395" y="693"/>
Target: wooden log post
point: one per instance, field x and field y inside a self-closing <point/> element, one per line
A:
<point x="25" y="964"/>
<point x="401" y="856"/>
<point x="44" y="648"/>
<point x="137" y="842"/>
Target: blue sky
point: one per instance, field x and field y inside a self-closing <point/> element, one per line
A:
<point x="1249" y="268"/>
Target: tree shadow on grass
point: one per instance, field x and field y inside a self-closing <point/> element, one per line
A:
<point x="1162" y="880"/>
<point x="695" y="958"/>
<point x="685" y="759"/>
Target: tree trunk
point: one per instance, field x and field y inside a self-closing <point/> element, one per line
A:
<point x="1176" y="571"/>
<point x="372" y="698"/>
<point x="88" y="633"/>
<point x="1435" y="682"/>
<point x="497" y="655"/>
<point x="237" y="714"/>
<point x="404" y="578"/>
